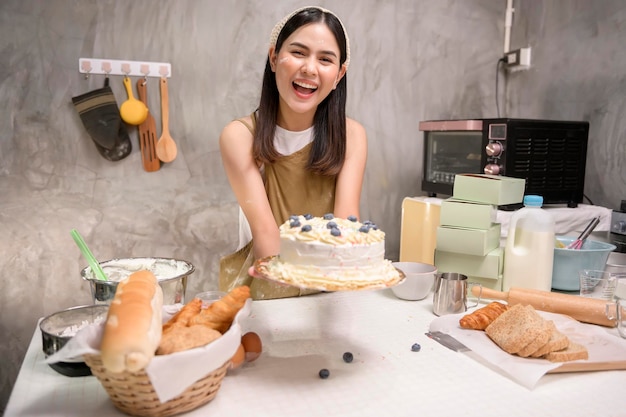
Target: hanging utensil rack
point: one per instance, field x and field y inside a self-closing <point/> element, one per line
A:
<point x="128" y="68"/>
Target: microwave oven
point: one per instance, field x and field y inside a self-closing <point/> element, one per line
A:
<point x="549" y="154"/>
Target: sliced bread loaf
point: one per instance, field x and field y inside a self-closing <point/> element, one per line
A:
<point x="542" y="338"/>
<point x="558" y="341"/>
<point x="517" y="327"/>
<point x="572" y="352"/>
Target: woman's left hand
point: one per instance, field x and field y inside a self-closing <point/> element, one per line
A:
<point x="253" y="272"/>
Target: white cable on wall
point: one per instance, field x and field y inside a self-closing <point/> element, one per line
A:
<point x="508" y="22"/>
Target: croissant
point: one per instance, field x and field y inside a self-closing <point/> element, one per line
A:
<point x="220" y="314"/>
<point x="184" y="315"/>
<point x="481" y="318"/>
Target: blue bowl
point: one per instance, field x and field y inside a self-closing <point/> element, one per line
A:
<point x="568" y="262"/>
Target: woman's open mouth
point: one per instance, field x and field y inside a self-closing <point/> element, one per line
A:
<point x="304" y="88"/>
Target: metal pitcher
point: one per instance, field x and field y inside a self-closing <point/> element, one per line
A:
<point x="450" y="296"/>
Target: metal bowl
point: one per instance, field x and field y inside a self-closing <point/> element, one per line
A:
<point x="58" y="328"/>
<point x="172" y="275"/>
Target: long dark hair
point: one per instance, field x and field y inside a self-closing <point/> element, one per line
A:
<point x="329" y="142"/>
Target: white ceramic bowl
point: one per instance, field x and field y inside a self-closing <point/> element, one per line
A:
<point x="419" y="281"/>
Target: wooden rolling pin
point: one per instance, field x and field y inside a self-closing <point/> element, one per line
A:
<point x="587" y="310"/>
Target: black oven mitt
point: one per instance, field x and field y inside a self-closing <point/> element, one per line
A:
<point x="99" y="113"/>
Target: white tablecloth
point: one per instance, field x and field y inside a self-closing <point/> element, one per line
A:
<point x="303" y="335"/>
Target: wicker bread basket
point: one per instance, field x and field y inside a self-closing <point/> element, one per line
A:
<point x="133" y="393"/>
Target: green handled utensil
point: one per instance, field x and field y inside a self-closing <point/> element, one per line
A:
<point x="93" y="263"/>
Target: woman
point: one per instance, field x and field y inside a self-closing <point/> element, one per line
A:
<point x="297" y="153"/>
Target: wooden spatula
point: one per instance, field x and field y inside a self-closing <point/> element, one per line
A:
<point x="147" y="133"/>
<point x="166" y="147"/>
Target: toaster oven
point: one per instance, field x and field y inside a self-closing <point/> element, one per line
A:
<point x="549" y="154"/>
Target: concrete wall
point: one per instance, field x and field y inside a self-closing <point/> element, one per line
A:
<point x="412" y="60"/>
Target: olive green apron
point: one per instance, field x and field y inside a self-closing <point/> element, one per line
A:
<point x="291" y="189"/>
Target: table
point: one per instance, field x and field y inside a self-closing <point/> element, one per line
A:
<point x="386" y="378"/>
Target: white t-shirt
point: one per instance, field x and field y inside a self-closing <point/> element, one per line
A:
<point x="286" y="143"/>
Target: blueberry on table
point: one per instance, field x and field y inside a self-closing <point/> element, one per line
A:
<point x="416" y="347"/>
<point x="347" y="357"/>
<point x="324" y="373"/>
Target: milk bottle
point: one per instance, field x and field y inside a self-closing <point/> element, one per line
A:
<point x="529" y="250"/>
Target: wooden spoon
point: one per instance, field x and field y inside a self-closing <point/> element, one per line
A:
<point x="133" y="111"/>
<point x="166" y="147"/>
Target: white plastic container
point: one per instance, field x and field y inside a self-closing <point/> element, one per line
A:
<point x="529" y="250"/>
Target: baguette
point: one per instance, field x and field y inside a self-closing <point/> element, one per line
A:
<point x="134" y="324"/>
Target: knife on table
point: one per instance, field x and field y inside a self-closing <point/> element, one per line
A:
<point x="456" y="346"/>
<point x="448" y="341"/>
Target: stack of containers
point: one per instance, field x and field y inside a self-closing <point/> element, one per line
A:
<point x="468" y="236"/>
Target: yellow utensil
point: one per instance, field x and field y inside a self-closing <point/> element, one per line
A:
<point x="133" y="111"/>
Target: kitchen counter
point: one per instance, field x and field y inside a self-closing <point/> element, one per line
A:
<point x="303" y="335"/>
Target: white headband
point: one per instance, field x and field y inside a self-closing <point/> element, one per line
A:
<point x="279" y="27"/>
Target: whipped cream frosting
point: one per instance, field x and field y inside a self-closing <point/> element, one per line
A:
<point x="332" y="254"/>
<point x="162" y="268"/>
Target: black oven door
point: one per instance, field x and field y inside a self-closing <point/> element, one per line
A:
<point x="447" y="153"/>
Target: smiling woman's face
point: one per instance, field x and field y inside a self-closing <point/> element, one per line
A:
<point x="307" y="68"/>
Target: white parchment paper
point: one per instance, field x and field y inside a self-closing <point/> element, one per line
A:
<point x="603" y="344"/>
<point x="172" y="374"/>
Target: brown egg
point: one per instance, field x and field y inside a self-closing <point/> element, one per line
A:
<point x="252" y="345"/>
<point x="238" y="358"/>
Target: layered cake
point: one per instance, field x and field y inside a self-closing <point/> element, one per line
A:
<point x="332" y="254"/>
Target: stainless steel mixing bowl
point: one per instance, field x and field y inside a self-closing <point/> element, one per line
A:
<point x="58" y="328"/>
<point x="171" y="273"/>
